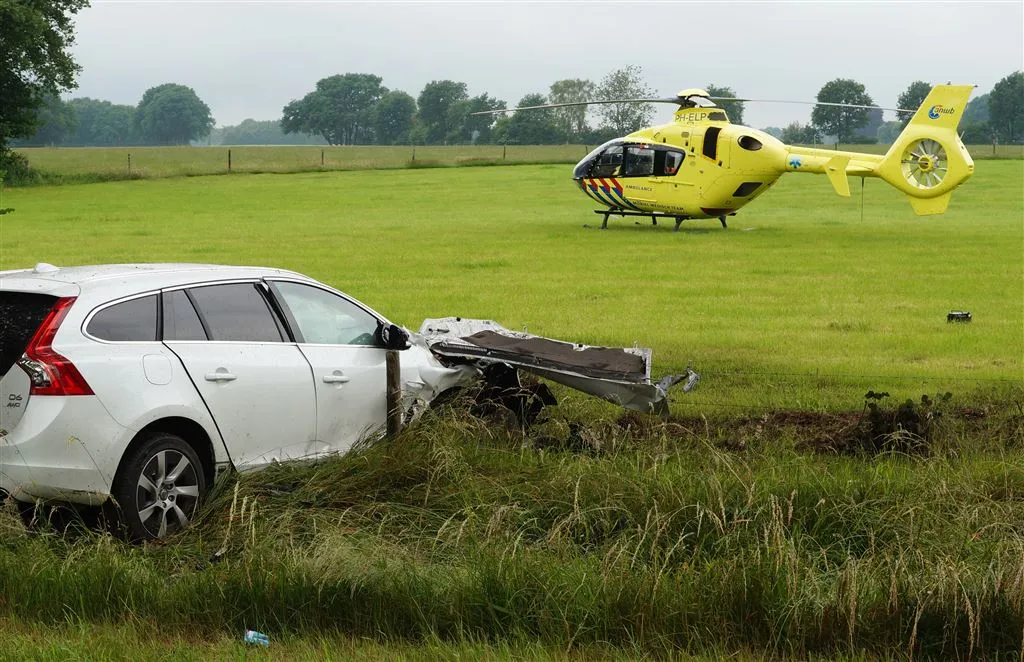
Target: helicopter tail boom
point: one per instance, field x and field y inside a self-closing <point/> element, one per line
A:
<point x="926" y="162"/>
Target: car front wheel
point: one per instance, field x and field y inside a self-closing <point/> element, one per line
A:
<point x="160" y="487"/>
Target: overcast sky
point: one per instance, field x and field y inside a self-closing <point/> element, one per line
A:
<point x="248" y="59"/>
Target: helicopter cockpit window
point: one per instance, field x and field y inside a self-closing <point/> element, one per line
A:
<point x="667" y="163"/>
<point x="608" y="164"/>
<point x="639" y="161"/>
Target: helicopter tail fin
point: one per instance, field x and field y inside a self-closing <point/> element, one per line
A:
<point x="928" y="160"/>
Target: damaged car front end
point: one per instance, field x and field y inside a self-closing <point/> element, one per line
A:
<point x="621" y="376"/>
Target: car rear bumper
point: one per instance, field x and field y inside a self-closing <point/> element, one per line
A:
<point x="64" y="448"/>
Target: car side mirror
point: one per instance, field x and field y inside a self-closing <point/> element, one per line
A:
<point x="392" y="336"/>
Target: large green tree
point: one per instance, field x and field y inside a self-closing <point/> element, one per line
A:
<point x="797" y="134"/>
<point x="911" y="99"/>
<point x="102" y="123"/>
<point x="435" y="109"/>
<point x="340" y="109"/>
<point x="974" y="127"/>
<point x="841" y="121"/>
<point x="571" y="120"/>
<point x="35" y="61"/>
<point x="469" y="128"/>
<point x="172" y="114"/>
<point x="533" y="127"/>
<point x="57" y="124"/>
<point x="392" y="118"/>
<point x="1006" y="108"/>
<point x="734" y="109"/>
<point x="625" y="83"/>
<point x="977" y="109"/>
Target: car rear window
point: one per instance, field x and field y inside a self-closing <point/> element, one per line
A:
<point x="21" y="313"/>
<point x="129" y="321"/>
<point x="236" y="312"/>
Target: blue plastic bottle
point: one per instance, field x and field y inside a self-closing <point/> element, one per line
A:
<point x="256" y="638"/>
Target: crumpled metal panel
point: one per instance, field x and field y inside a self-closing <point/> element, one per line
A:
<point x="618" y="375"/>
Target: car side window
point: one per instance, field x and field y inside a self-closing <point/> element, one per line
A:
<point x="326" y="318"/>
<point x="129" y="321"/>
<point x="181" y="322"/>
<point x="236" y="312"/>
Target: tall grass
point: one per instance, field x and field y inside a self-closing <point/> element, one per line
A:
<point x="660" y="541"/>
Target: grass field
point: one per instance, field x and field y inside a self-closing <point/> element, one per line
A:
<point x="735" y="530"/>
<point x="85" y="164"/>
<point x="799" y="304"/>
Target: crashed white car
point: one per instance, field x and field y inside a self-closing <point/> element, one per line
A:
<point x="139" y="383"/>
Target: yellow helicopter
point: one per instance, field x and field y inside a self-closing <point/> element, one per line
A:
<point x="702" y="166"/>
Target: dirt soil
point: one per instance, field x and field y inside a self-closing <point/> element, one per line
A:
<point x="892" y="428"/>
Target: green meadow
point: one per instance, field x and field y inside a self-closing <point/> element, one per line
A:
<point x="747" y="526"/>
<point x="806" y="300"/>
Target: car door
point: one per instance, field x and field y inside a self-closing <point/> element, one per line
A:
<point x="337" y="337"/>
<point x="254" y="380"/>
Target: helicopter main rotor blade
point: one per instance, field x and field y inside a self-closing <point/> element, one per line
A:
<point x="678" y="101"/>
<point x="814" y="103"/>
<point x="576" y="103"/>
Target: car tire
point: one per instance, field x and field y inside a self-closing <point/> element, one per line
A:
<point x="159" y="488"/>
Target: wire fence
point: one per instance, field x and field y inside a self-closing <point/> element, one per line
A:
<point x="144" y="162"/>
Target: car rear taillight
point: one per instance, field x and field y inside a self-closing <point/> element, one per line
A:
<point x="51" y="373"/>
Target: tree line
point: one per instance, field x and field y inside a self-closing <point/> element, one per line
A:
<point x="168" y="114"/>
<point x="36" y="66"/>
<point x="356" y="108"/>
<point x="995" y="116"/>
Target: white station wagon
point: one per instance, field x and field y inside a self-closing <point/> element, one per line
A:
<point x="142" y="382"/>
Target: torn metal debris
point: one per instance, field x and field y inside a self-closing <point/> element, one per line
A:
<point x="618" y="375"/>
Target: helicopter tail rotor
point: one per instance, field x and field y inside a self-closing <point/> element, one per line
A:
<point x="928" y="160"/>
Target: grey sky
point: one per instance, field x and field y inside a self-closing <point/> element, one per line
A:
<point x="248" y="59"/>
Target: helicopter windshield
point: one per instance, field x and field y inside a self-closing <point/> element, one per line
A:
<point x="608" y="163"/>
<point x="618" y="158"/>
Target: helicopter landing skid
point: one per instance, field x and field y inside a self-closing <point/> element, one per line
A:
<point x="654" y="216"/>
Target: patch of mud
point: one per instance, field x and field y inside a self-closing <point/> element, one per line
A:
<point x="904" y="428"/>
<point x="811" y="431"/>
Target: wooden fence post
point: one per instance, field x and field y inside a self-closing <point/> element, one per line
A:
<point x="321" y="158"/>
<point x="129" y="163"/>
<point x="229" y="160"/>
<point x="394" y="392"/>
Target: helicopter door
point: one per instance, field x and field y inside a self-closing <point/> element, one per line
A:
<point x="640" y="163"/>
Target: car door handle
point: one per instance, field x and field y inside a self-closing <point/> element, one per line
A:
<point x="335" y="377"/>
<point x="220" y="376"/>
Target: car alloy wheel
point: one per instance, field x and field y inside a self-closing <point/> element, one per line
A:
<point x="161" y="488"/>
